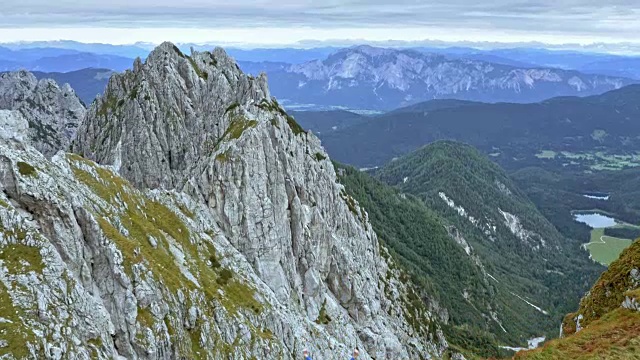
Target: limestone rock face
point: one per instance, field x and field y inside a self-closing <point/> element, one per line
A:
<point x="213" y="228"/>
<point x="92" y="268"/>
<point x="12" y="125"/>
<point x="52" y="111"/>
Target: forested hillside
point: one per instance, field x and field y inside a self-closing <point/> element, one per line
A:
<point x="425" y="245"/>
<point x="524" y="255"/>
<point x="569" y="132"/>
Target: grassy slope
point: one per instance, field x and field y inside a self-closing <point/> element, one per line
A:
<point x="609" y="331"/>
<point x="614" y="336"/>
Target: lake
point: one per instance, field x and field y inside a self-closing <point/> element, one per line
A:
<point x="595" y="220"/>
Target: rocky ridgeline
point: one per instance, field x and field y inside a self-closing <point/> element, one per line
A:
<point x="53" y="112"/>
<point x="213" y="227"/>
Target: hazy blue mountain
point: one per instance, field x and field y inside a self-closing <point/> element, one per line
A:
<point x="587" y="62"/>
<point x="130" y="51"/>
<point x="624" y="66"/>
<point x="512" y="132"/>
<point x="282" y="55"/>
<point x="255" y="68"/>
<point x="8" y="65"/>
<point x="374" y="78"/>
<point x="86" y="82"/>
<point x="551" y="58"/>
<point x="72" y="62"/>
<point x="32" y="54"/>
<point x="59" y="60"/>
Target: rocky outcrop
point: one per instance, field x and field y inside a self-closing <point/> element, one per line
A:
<point x="618" y="287"/>
<point x="91" y="267"/>
<point x="53" y="112"/>
<point x="197" y="125"/>
<point x="12" y="125"/>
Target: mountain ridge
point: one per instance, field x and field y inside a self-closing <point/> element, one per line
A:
<point x="510" y="131"/>
<point x="365" y="77"/>
<point x="248" y="161"/>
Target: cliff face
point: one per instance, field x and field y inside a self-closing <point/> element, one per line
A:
<point x="52" y="111"/>
<point x="214" y="227"/>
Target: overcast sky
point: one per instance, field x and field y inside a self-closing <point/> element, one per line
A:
<point x="288" y="21"/>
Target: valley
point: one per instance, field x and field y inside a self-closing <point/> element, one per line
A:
<point x="602" y="247"/>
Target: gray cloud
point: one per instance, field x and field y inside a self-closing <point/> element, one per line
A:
<point x="614" y="18"/>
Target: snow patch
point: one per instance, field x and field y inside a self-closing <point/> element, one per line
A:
<point x="494" y="279"/>
<point x="530" y="304"/>
<point x="597" y="197"/>
<point x="486" y="228"/>
<point x="531" y="344"/>
<point x="513" y="223"/>
<point x="494" y="316"/>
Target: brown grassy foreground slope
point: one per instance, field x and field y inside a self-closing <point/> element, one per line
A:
<point x="607" y="324"/>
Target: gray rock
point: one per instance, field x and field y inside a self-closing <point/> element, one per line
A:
<point x="52" y="111"/>
<point x="12" y="125"/>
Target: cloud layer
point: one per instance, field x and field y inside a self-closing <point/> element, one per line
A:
<point x="616" y="20"/>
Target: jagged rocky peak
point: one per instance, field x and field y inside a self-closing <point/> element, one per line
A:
<point x="196" y="124"/>
<point x="53" y="112"/>
<point x="182" y="103"/>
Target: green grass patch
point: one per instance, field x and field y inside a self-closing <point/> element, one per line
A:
<point x="145" y="317"/>
<point x="223" y="157"/>
<point x="14" y="332"/>
<point x="606" y="249"/>
<point x="232" y="107"/>
<point x="323" y="317"/>
<point x="26" y="169"/>
<point x="295" y="127"/>
<point x="201" y="73"/>
<point x="108" y="105"/>
<point x="237" y="126"/>
<point x="20" y="259"/>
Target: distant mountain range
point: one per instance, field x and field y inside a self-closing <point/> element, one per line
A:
<point x="518" y="55"/>
<point x="367" y="78"/>
<point x="511" y="132"/>
<point x="373" y="78"/>
<point x="59" y="60"/>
